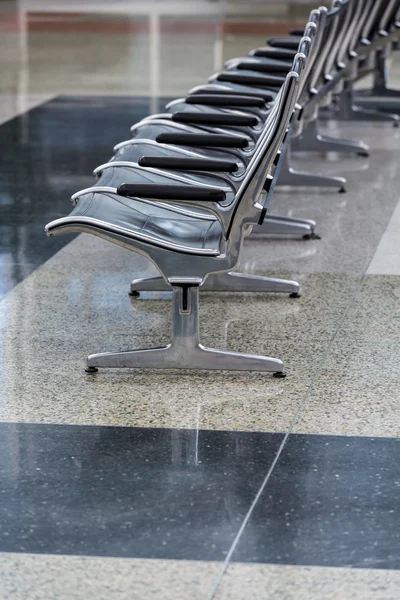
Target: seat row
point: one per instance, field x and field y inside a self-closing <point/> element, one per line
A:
<point x="193" y="182"/>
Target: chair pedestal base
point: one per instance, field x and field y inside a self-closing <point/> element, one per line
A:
<point x="347" y="110"/>
<point x="275" y="225"/>
<point x="185" y="350"/>
<point x="292" y="178"/>
<point x="382" y="99"/>
<point x="224" y="282"/>
<point x="312" y="141"/>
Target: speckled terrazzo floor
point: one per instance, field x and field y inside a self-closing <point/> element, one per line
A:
<point x="34" y="577"/>
<point x="340" y="343"/>
<point x="196" y="485"/>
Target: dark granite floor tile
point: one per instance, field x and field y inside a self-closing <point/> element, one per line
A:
<point x="127" y="492"/>
<point x="331" y="501"/>
<point x="46" y="155"/>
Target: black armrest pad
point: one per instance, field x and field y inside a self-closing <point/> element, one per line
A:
<point x="188" y="164"/>
<point x="171" y="192"/>
<point x="203" y="139"/>
<point x="274" y="81"/>
<point x="225" y="100"/>
<point x="292" y="43"/>
<point x="249" y="65"/>
<point x="227" y="92"/>
<point x="218" y="119"/>
<point x="298" y="32"/>
<point x="278" y="53"/>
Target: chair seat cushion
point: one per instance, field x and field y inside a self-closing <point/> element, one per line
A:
<point x="162" y="225"/>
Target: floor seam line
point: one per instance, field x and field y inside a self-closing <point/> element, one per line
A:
<point x="318" y="370"/>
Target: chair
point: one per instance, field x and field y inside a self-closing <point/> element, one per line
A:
<point x="379" y="30"/>
<point x="185" y="249"/>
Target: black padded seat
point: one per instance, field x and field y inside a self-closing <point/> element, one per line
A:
<point x="162" y="225"/>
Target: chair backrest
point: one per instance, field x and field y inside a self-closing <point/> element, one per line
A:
<point x="310" y="35"/>
<point x="317" y="43"/>
<point x="303" y="55"/>
<point x="360" y="16"/>
<point x="341" y="22"/>
<point x="333" y="40"/>
<point x="389" y="15"/>
<point x="371" y="24"/>
<point x="247" y="206"/>
<point x="331" y="33"/>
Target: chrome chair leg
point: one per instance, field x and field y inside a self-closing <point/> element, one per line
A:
<point x="185" y="350"/>
<point x="290" y="177"/>
<point x="276" y="225"/>
<point x="313" y="141"/>
<point x="224" y="282"/>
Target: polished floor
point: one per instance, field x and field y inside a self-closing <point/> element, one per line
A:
<point x="198" y="485"/>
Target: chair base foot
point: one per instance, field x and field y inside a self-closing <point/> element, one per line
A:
<point x="358" y="113"/>
<point x="324" y="144"/>
<point x="275" y="225"/>
<point x="279" y="375"/>
<point x="180" y="355"/>
<point x="223" y="282"/>
<point x="382" y="99"/>
<point x="312" y="140"/>
<point x="378" y="92"/>
<point x="311" y="236"/>
<point x="294" y="178"/>
<point x="91" y="370"/>
<point x="185" y="350"/>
